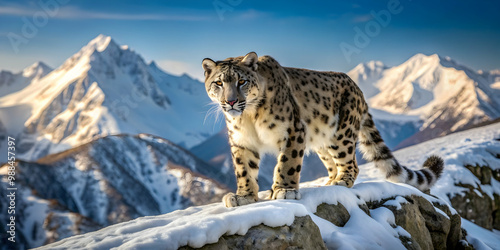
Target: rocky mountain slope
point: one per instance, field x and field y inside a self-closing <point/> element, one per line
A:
<point x="101" y="90"/>
<point x="109" y="180"/>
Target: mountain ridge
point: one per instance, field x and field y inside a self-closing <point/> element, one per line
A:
<point x="12" y="82"/>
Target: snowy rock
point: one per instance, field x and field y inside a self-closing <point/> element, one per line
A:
<point x="428" y="228"/>
<point x="334" y="213"/>
<point x="477" y="206"/>
<point x="409" y="217"/>
<point x="471" y="178"/>
<point x="302" y="234"/>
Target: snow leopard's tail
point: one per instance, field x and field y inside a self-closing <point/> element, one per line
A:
<point x="374" y="149"/>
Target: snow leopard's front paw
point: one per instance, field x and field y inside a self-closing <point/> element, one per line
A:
<point x="336" y="183"/>
<point x="234" y="200"/>
<point x="343" y="183"/>
<point x="285" y="193"/>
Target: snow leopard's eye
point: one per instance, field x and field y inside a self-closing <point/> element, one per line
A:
<point x="218" y="83"/>
<point x="242" y="82"/>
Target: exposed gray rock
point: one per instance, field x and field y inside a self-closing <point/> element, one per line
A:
<point x="336" y="214"/>
<point x="429" y="228"/>
<point x="411" y="219"/>
<point x="455" y="235"/>
<point x="496" y="212"/>
<point x="475" y="205"/>
<point x="484" y="173"/>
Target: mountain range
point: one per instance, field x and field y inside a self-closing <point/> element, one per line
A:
<point x="106" y="181"/>
<point x="103" y="89"/>
<point x="442" y="94"/>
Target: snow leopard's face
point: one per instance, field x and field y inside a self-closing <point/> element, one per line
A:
<point x="232" y="83"/>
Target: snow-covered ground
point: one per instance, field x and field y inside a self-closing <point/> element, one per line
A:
<point x="197" y="226"/>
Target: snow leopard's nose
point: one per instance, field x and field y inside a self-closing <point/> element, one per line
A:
<point x="232" y="102"/>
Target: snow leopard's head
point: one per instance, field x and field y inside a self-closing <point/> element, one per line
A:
<point x="233" y="83"/>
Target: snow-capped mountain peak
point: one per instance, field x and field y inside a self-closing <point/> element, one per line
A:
<point x="364" y="74"/>
<point x="432" y="62"/>
<point x="153" y="65"/>
<point x="101" y="42"/>
<point x="369" y="67"/>
<point x="375" y="65"/>
<point x="13" y="82"/>
<point x="37" y="70"/>
<point x="105" y="89"/>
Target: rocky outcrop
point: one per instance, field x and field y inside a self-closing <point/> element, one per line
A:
<point x="431" y="226"/>
<point x="475" y="204"/>
<point x="302" y="234"/>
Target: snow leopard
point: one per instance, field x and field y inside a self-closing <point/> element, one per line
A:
<point x="288" y="112"/>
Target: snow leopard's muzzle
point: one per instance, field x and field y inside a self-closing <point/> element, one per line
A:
<point x="233" y="107"/>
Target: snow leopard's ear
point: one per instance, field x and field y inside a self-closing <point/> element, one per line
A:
<point x="208" y="65"/>
<point x="250" y="60"/>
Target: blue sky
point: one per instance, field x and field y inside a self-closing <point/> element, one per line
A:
<point x="179" y="34"/>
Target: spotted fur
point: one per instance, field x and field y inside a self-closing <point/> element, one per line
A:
<point x="286" y="111"/>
